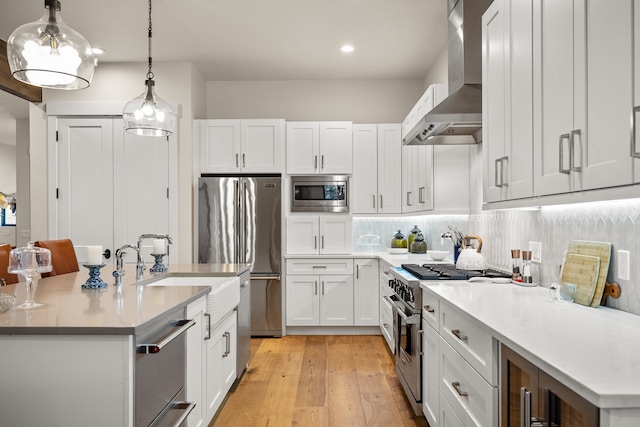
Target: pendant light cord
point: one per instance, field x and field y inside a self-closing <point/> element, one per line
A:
<point x="150" y="73"/>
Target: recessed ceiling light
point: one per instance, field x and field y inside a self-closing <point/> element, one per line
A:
<point x="347" y="48"/>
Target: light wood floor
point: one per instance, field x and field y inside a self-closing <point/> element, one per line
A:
<point x="325" y="381"/>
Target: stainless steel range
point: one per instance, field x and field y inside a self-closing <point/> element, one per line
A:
<point x="407" y="320"/>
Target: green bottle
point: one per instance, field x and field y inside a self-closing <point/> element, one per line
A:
<point x="412" y="235"/>
<point x="398" y="240"/>
<point x="418" y="246"/>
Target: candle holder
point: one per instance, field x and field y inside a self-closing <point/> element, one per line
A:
<point x="94" y="281"/>
<point x="158" y="267"/>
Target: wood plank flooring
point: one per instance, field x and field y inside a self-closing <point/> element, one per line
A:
<point x="318" y="381"/>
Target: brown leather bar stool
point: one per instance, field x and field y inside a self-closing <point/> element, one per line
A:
<point x="7" y="278"/>
<point x="63" y="256"/>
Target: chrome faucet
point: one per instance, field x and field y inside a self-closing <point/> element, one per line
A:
<point x="119" y="272"/>
<point x="150" y="236"/>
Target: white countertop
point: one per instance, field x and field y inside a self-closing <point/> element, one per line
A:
<point x="594" y="351"/>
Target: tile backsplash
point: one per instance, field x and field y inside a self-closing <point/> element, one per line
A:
<point x="554" y="227"/>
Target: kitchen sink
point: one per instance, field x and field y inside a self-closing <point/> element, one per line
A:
<point x="224" y="295"/>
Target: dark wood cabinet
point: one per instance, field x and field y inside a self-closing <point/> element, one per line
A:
<point x="533" y="398"/>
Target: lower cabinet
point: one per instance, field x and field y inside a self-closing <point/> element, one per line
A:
<point x="530" y="396"/>
<point x="196" y="362"/>
<point x="460" y="367"/>
<point x="365" y="292"/>
<point x="221" y="362"/>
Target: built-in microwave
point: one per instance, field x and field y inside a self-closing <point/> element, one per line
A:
<point x="320" y="193"/>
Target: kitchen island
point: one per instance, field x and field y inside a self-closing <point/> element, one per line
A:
<point x="74" y="361"/>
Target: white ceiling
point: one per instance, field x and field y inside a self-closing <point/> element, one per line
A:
<point x="258" y="39"/>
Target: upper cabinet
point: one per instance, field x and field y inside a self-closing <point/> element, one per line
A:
<point x="376" y="169"/>
<point x="507" y="110"/>
<point x="429" y="99"/>
<point x="417" y="178"/>
<point x="319" y="148"/>
<point x="241" y="146"/>
<point x="583" y="74"/>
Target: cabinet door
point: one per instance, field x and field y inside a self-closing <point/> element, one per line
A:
<point x="262" y="143"/>
<point x="303" y="300"/>
<point x="336" y="300"/>
<point x="494" y="99"/>
<point x="229" y="334"/>
<point x="303" y="146"/>
<point x="519" y="381"/>
<point x="425" y="178"/>
<point x="336" y="148"/>
<point x="410" y="165"/>
<point x="366" y="292"/>
<point x="605" y="155"/>
<point x="430" y="374"/>
<point x="303" y="235"/>
<point x="389" y="168"/>
<point x="335" y="234"/>
<point x="635" y="142"/>
<point x="220" y="146"/>
<point x="364" y="182"/>
<point x="561" y="103"/>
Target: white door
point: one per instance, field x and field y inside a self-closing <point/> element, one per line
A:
<point x="335" y="234"/>
<point x="303" y="300"/>
<point x="336" y="147"/>
<point x="364" y="183"/>
<point x="303" y="145"/>
<point x="82" y="190"/>
<point x="261" y="146"/>
<point x="425" y="178"/>
<point x="366" y="292"/>
<point x="141" y="199"/>
<point x="111" y="186"/>
<point x="220" y="146"/>
<point x="389" y="168"/>
<point x="336" y="300"/>
<point x="302" y="235"/>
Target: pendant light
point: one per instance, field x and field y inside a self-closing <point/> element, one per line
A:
<point x="50" y="54"/>
<point x="148" y="114"/>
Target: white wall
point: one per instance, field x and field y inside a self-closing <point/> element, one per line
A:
<point x="439" y="71"/>
<point x="7" y="169"/>
<point x="369" y="101"/>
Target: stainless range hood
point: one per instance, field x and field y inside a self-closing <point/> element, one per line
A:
<point x="458" y="118"/>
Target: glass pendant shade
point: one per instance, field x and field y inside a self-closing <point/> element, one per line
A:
<point x="50" y="54"/>
<point x="148" y="115"/>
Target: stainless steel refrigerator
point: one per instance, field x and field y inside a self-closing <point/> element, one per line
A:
<point x="240" y="222"/>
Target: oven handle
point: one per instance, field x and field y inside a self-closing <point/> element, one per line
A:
<point x="414" y="319"/>
<point x="188" y="407"/>
<point x="182" y="325"/>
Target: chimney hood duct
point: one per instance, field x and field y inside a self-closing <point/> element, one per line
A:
<point x="458" y="118"/>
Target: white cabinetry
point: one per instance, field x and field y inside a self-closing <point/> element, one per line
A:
<point x="319" y="147"/>
<point x="430" y="359"/>
<point x="365" y="292"/>
<point x="241" y="146"/>
<point x="221" y="362"/>
<point x="324" y="234"/>
<point x="417" y="178"/>
<point x="386" y="310"/>
<point x="319" y="292"/>
<point x="377" y="161"/>
<point x="584" y="79"/>
<point x="429" y="99"/>
<point x="507" y="37"/>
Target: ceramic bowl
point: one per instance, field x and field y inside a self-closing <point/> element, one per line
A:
<point x="437" y="255"/>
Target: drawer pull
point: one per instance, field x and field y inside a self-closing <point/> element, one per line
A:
<point x="429" y="309"/>
<point x="458" y="335"/>
<point x="456" y="386"/>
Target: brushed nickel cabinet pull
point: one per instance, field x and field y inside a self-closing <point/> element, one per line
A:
<point x="561" y="169"/>
<point x="429" y="309"/>
<point x="456" y="386"/>
<point x="458" y="335"/>
<point x="572" y="151"/>
<point x="634" y="152"/>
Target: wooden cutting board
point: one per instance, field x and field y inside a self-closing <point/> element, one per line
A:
<point x="582" y="271"/>
<point x="601" y="250"/>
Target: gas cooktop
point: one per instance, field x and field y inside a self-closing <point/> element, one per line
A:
<point x="449" y="272"/>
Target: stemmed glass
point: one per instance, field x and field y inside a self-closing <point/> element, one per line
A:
<point x="28" y="262"/>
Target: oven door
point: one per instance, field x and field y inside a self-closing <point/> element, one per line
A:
<point x="408" y="351"/>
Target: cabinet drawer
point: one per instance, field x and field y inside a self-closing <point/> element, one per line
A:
<point x="386" y="323"/>
<point x="473" y="342"/>
<point x="430" y="309"/>
<point x="320" y="266"/>
<point x="473" y="400"/>
<point x="448" y="417"/>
